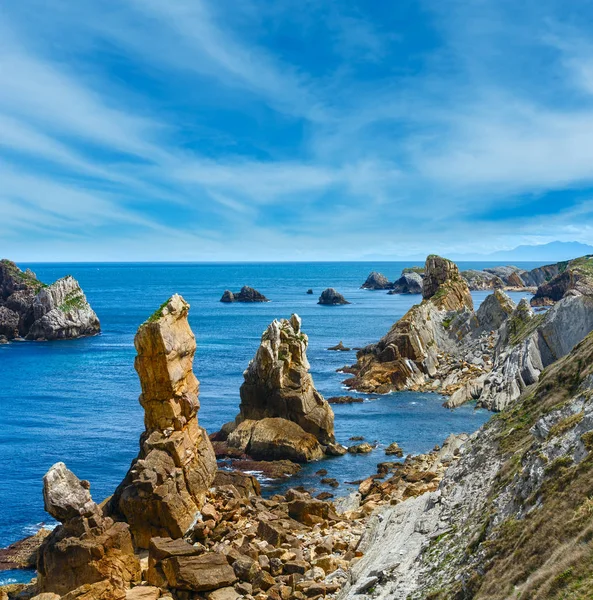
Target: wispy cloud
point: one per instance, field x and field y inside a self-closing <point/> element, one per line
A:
<point x="338" y="130"/>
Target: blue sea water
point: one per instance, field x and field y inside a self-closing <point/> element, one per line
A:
<point x="77" y="401"/>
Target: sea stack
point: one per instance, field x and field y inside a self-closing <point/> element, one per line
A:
<point x="166" y="484"/>
<point x="247" y="294"/>
<point x="33" y="310"/>
<point x="282" y="415"/>
<point x="88" y="555"/>
<point x="330" y="297"/>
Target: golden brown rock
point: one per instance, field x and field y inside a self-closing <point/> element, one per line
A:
<point x="165" y="485"/>
<point x="278" y="382"/>
<point x="88" y="549"/>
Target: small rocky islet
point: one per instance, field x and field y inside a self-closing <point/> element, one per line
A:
<point x="32" y="310"/>
<point x="181" y="527"/>
<point x="246" y="294"/>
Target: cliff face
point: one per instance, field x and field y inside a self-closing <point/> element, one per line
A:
<point x="166" y="484"/>
<point x="511" y="519"/>
<point x="31" y="309"/>
<point x="574" y="278"/>
<point x="409" y="354"/>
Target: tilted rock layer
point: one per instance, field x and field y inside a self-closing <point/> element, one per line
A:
<point x="31" y="309"/>
<point x="574" y="278"/>
<point x="511" y="518"/>
<point x="165" y="485"/>
<point x="409" y="353"/>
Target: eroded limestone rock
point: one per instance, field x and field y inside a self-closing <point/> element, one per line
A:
<point x="165" y="486"/>
<point x="89" y="553"/>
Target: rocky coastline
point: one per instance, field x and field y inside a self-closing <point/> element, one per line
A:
<point x="502" y="512"/>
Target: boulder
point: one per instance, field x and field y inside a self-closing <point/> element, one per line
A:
<point x="165" y="486"/>
<point x="330" y="297"/>
<point x="203" y="573"/>
<point x="35" y="311"/>
<point x="376" y="281"/>
<point x="394" y="450"/>
<point x="247" y="294"/>
<point x="65" y="497"/>
<point x="278" y="385"/>
<point x="363" y="448"/>
<point x="345" y="399"/>
<point x="88" y="549"/>
<point x="247" y="485"/>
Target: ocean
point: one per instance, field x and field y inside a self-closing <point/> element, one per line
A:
<point x="77" y="401"/>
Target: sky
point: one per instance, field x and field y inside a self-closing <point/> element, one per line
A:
<point x="217" y="130"/>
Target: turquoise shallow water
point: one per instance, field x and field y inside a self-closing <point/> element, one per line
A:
<point x="77" y="401"/>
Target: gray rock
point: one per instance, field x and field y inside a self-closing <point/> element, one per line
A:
<point x="376" y="281"/>
<point x="330" y="297"/>
<point x="408" y="283"/>
<point x="65" y="497"/>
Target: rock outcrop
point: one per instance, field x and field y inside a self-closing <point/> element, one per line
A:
<point x="35" y="311"/>
<point x="408" y="283"/>
<point x="165" y="486"/>
<point x="376" y="281"/>
<point x="247" y="294"/>
<point x="528" y="343"/>
<point x="88" y="552"/>
<point x="574" y="278"/>
<point x="511" y="516"/>
<point x="330" y="297"/>
<point x="279" y="400"/>
<point x="409" y="354"/>
<point x="510" y="277"/>
<point x="482" y="280"/>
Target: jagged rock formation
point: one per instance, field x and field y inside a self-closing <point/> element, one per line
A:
<point x="247" y="294"/>
<point x="330" y="297"/>
<point x="482" y="280"/>
<point x="409" y="354"/>
<point x="279" y="400"/>
<point x="574" y="278"/>
<point x="35" y="311"/>
<point x="376" y="281"/>
<point x="509" y="277"/>
<point x="511" y="518"/>
<point x="165" y="486"/>
<point x="408" y="283"/>
<point x="528" y="343"/>
<point x="88" y="552"/>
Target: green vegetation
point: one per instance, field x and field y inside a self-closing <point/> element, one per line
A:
<point x="22" y="276"/>
<point x="447" y="322"/>
<point x="566" y="424"/>
<point x="414" y="269"/>
<point x="520" y="329"/>
<point x="73" y="300"/>
<point x="158" y="313"/>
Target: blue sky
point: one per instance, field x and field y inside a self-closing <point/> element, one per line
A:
<point x="258" y="130"/>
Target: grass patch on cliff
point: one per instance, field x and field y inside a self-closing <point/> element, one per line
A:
<point x="74" y="300"/>
<point x="419" y="270"/>
<point x="546" y="551"/>
<point x="23" y="277"/>
<point x="520" y="329"/>
<point x="158" y="313"/>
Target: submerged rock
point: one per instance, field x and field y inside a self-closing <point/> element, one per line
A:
<point x="345" y="400"/>
<point x="35" y="311"/>
<point x="394" y="450"/>
<point x="330" y="297"/>
<point x="247" y="294"/>
<point x="339" y="347"/>
<point x="166" y="484"/>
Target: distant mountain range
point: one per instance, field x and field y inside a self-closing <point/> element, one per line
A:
<point x="544" y="253"/>
<point x="551" y="252"/>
